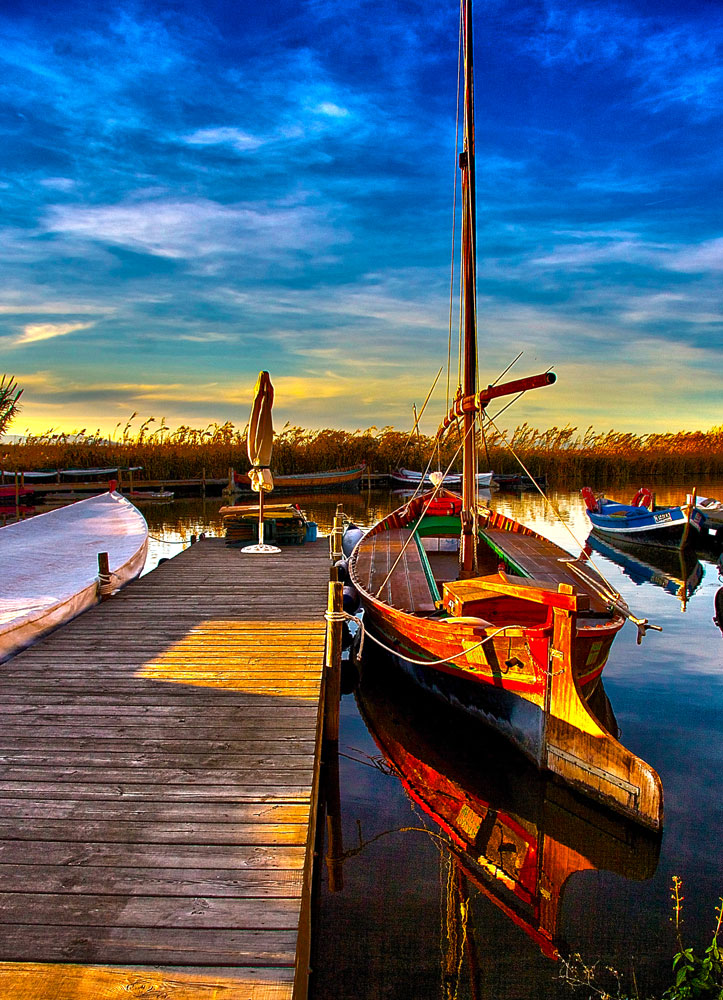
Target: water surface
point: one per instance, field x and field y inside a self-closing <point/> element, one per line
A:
<point x="410" y="921"/>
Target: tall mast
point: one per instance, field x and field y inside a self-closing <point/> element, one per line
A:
<point x="469" y="270"/>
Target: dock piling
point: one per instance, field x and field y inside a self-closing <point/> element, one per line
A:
<point x="334" y="624"/>
<point x="104" y="585"/>
<point x="337" y="532"/>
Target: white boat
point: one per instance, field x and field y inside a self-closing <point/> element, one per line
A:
<point x="410" y="478"/>
<point x="49" y="564"/>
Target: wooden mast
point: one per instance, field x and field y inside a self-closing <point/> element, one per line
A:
<point x="469" y="268"/>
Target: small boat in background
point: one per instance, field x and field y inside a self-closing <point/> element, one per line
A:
<point x="641" y="522"/>
<point x="311" y="482"/>
<point x="515" y="481"/>
<point x="154" y="496"/>
<point x="49" y="564"/>
<point x="409" y="479"/>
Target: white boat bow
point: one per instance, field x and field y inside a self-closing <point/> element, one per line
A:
<point x="49" y="564"/>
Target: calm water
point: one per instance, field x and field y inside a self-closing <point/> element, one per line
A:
<point x="412" y="922"/>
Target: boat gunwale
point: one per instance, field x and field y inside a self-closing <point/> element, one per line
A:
<point x="408" y="519"/>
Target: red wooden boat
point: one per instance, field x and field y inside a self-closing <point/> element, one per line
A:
<point x="487" y="613"/>
<point x="10" y="492"/>
<point x="311" y="482"/>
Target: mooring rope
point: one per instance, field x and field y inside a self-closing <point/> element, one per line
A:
<point x="342" y="616"/>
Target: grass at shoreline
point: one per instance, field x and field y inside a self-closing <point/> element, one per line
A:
<point x="564" y="454"/>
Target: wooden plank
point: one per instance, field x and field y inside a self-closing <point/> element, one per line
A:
<point x="391" y="559"/>
<point x="205" y="740"/>
<point x="544" y="561"/>
<point x="127" y="791"/>
<point x="133" y="881"/>
<point x="169" y="812"/>
<point x="141" y="855"/>
<point x="180" y="912"/>
<point x="148" y="946"/>
<point x="158" y="772"/>
<point x="160" y="707"/>
<point x="93" y="757"/>
<point x="161" y="777"/>
<point x="45" y="981"/>
<point x="113" y="831"/>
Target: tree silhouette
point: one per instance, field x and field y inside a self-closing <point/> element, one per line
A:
<point x="9" y="396"/>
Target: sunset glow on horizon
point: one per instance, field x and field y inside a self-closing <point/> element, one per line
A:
<point x="194" y="193"/>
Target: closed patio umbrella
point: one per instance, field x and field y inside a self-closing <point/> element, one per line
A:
<point x="259" y="444"/>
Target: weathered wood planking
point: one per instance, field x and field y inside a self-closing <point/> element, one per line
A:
<point x="542" y="560"/>
<point x="391" y="560"/>
<point x="158" y="776"/>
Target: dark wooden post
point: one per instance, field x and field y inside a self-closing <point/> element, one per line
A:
<point x="337" y="531"/>
<point x="104" y="584"/>
<point x="17" y="497"/>
<point x="686" y="529"/>
<point x="335" y="844"/>
<point x="333" y="660"/>
<point x="332" y="697"/>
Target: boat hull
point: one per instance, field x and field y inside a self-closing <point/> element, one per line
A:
<point x="409" y="479"/>
<point x="313" y="482"/>
<point x="503" y="683"/>
<point x="49" y="564"/>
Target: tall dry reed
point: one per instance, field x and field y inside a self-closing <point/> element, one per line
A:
<point x="565" y="455"/>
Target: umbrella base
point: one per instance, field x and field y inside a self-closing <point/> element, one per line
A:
<point x="260" y="548"/>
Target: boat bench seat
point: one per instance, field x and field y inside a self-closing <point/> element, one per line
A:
<point x="407" y="588"/>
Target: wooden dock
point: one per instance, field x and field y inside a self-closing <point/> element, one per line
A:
<point x="159" y="772"/>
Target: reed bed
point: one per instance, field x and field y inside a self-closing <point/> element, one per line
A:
<point x="566" y="455"/>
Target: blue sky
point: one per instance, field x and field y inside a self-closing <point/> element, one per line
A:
<point x="192" y="192"/>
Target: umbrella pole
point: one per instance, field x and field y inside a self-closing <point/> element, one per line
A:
<point x="261" y="517"/>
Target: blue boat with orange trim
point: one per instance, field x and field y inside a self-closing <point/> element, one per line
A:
<point x="642" y="522"/>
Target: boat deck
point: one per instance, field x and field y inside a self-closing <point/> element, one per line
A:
<point x="390" y="560"/>
<point x="159" y="774"/>
<point x="542" y="560"/>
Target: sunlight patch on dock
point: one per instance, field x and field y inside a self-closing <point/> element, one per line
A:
<point x="249" y="657"/>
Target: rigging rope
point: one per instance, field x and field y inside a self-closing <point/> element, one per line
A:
<point x="607" y="592"/>
<point x="436" y="490"/>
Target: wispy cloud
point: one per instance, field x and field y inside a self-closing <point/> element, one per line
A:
<point x="216" y="194"/>
<point x="198" y="228"/>
<point x="670" y="63"/>
<point x="236" y="138"/>
<point x="34" y="332"/>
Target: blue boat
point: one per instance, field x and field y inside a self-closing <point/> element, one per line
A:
<point x="642" y="521"/>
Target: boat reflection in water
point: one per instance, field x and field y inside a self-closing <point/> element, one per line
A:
<point x="513" y="833"/>
<point x="676" y="571"/>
